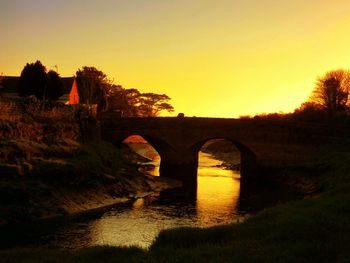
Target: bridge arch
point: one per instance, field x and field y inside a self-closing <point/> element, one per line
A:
<point x="141" y="146"/>
<point x="166" y="151"/>
<point x="247" y="156"/>
<point x="160" y="145"/>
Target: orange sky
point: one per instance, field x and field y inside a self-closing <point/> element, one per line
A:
<point x="213" y="58"/>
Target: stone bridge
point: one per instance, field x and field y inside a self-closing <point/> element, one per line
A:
<point x="260" y="142"/>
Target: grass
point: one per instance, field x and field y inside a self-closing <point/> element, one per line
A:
<point x="90" y="255"/>
<point x="46" y="170"/>
<point x="315" y="229"/>
<point x="36" y="178"/>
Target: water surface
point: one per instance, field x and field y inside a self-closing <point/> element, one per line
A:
<point x="220" y="199"/>
<point x="138" y="223"/>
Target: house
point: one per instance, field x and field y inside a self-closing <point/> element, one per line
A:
<point x="9" y="89"/>
<point x="70" y="91"/>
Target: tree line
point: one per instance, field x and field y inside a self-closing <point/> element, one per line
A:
<point x="94" y="87"/>
<point x="36" y="81"/>
<point x="329" y="99"/>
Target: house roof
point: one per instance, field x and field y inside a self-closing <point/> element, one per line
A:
<point x="9" y="84"/>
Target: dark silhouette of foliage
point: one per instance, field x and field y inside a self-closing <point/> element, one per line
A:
<point x="54" y="86"/>
<point x="268" y="116"/>
<point x="93" y="85"/>
<point x="131" y="96"/>
<point x="33" y="80"/>
<point x="331" y="91"/>
<point x="309" y="111"/>
<point x="151" y="104"/>
<point x="133" y="103"/>
<point x="123" y="100"/>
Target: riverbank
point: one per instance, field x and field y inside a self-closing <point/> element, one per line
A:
<point x="46" y="170"/>
<point x="40" y="180"/>
<point x="294" y="177"/>
<point x="314" y="229"/>
<point x="224" y="151"/>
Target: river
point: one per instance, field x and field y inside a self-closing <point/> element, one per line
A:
<point x="138" y="223"/>
<point x="217" y="201"/>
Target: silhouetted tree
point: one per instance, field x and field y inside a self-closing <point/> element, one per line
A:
<point x="133" y="103"/>
<point x="117" y="100"/>
<point x="151" y="104"/>
<point x="92" y="85"/>
<point x="54" y="86"/>
<point x="332" y="91"/>
<point x="1" y="79"/>
<point x="126" y="101"/>
<point x="95" y="88"/>
<point x="309" y="111"/>
<point x="33" y="80"/>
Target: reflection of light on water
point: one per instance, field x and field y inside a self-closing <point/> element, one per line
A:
<point x="217" y="198"/>
<point x="217" y="191"/>
<point x="138" y="203"/>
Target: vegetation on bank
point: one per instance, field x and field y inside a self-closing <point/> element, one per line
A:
<point x="224" y="151"/>
<point x="40" y="180"/>
<point x="46" y="170"/>
<point x="328" y="102"/>
<point x="314" y="229"/>
<point x="94" y="89"/>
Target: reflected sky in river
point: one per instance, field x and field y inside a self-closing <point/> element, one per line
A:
<point x="139" y="222"/>
<point x="220" y="199"/>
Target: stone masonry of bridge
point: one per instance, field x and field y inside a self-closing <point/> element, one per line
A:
<point x="260" y="142"/>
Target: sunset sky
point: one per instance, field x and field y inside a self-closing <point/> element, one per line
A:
<point x="220" y="58"/>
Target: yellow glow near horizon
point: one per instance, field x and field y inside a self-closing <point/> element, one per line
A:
<point x="221" y="59"/>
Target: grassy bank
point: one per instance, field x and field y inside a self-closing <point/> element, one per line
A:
<point x="38" y="180"/>
<point x="46" y="170"/>
<point x="315" y="229"/>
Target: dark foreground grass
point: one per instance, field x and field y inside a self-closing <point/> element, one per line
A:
<point x="316" y="229"/>
<point x="90" y="255"/>
<point x="313" y="230"/>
